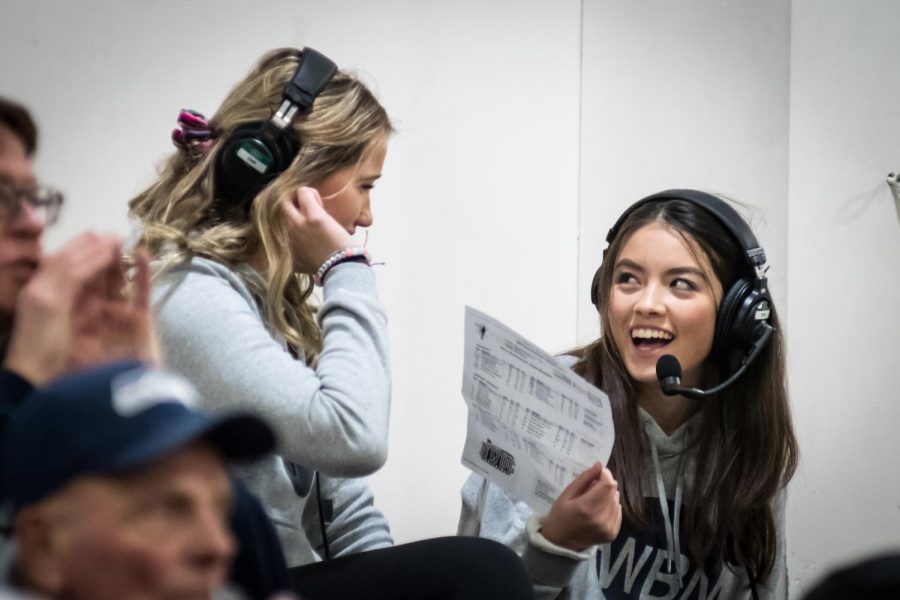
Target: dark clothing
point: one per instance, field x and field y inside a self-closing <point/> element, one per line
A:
<point x="13" y="389"/>
<point x="875" y="578"/>
<point x="259" y="567"/>
<point x="449" y="568"/>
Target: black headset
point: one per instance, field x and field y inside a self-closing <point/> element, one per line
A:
<point x="256" y="153"/>
<point x="742" y="321"/>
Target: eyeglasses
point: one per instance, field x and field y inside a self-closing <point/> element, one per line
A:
<point x="44" y="201"/>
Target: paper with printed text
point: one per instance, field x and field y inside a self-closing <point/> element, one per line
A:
<point x="533" y="425"/>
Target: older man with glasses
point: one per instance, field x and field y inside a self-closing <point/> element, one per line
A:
<point x="25" y="208"/>
<point x="65" y="310"/>
<point x="24" y="205"/>
<point x="42" y="201"/>
<point x="73" y="309"/>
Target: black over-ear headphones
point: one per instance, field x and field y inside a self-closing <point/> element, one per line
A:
<point x="742" y="321"/>
<point x="256" y="153"/>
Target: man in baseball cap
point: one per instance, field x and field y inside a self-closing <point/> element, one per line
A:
<point x="119" y="487"/>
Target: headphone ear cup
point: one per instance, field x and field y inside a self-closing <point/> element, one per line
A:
<point x="744" y="307"/>
<point x="284" y="149"/>
<point x="724" y="342"/>
<point x="248" y="161"/>
<point x="595" y="293"/>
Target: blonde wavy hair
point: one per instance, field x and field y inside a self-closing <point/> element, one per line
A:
<point x="181" y="218"/>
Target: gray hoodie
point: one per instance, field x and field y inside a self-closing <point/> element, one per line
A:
<point x="331" y="420"/>
<point x="636" y="564"/>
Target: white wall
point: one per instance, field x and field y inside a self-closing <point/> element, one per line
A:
<point x="477" y="205"/>
<point x="844" y="274"/>
<point x="480" y="209"/>
<point x="524" y="129"/>
<point x="683" y="95"/>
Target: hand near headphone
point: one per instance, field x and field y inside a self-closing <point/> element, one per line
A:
<point x="314" y="234"/>
<point x="587" y="512"/>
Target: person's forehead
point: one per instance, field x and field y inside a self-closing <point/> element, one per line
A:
<point x="15" y="165"/>
<point x="195" y="459"/>
<point x="198" y="471"/>
<point x="657" y="233"/>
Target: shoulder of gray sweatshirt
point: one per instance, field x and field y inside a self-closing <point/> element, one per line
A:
<point x="330" y="421"/>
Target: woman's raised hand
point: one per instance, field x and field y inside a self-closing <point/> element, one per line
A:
<point x="314" y="234"/>
<point x="587" y="512"/>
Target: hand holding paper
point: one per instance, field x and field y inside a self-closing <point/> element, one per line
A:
<point x="587" y="512"/>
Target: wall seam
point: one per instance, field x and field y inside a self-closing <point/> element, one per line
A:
<point x="578" y="249"/>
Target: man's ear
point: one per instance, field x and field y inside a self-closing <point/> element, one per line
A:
<point x="41" y="549"/>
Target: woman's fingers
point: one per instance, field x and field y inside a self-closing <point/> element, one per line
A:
<point x="308" y="197"/>
<point x="314" y="234"/>
<point x="583" y="482"/>
<point x="587" y="512"/>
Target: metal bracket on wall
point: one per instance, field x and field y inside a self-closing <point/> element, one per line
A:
<point x="893" y="181"/>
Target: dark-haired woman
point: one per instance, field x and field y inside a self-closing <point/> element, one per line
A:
<point x="691" y="502"/>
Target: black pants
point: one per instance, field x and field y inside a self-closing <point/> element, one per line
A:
<point x="449" y="568"/>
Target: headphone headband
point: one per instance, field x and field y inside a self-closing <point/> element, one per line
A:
<point x="256" y="153"/>
<point x="730" y="219"/>
<point x="313" y="74"/>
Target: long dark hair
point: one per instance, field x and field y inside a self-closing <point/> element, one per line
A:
<point x="744" y="452"/>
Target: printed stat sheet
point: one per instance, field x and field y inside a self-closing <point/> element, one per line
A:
<point x="534" y="425"/>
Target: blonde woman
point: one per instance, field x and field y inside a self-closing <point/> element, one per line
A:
<point x="258" y="206"/>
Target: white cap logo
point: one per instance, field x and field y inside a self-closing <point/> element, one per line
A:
<point x="136" y="391"/>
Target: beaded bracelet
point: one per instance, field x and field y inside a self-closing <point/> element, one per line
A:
<point x="353" y="253"/>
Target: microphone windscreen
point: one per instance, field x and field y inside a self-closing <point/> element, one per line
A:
<point x="668" y="366"/>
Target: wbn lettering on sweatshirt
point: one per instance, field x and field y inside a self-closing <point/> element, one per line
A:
<point x="636" y="565"/>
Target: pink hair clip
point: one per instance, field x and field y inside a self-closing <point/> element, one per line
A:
<point x="193" y="132"/>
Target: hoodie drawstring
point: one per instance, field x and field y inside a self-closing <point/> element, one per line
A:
<point x="673" y="547"/>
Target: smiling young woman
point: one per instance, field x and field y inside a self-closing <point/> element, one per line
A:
<point x="691" y="502"/>
<point x="663" y="300"/>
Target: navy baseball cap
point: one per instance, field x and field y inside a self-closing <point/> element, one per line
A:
<point x="110" y="420"/>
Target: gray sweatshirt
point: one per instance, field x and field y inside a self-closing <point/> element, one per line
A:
<point x="635" y="565"/>
<point x="332" y="419"/>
